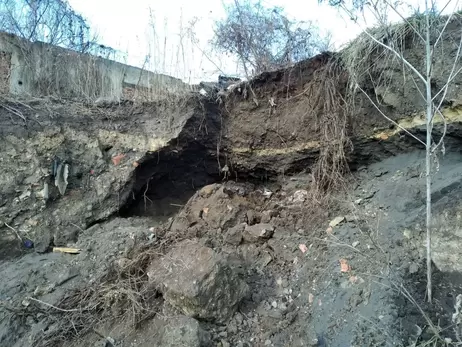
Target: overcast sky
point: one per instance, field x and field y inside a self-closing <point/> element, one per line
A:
<point x="165" y="47"/>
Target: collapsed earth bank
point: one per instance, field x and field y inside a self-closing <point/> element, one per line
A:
<point x="113" y="179"/>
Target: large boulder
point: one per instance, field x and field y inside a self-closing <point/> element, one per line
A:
<point x="198" y="281"/>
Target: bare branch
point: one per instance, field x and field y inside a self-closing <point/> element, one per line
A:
<point x="404" y="60"/>
<point x="400" y="56"/>
<point x="432" y="110"/>
<point x="15" y="112"/>
<point x="14" y="230"/>
<point x="264" y="38"/>
<point x="428" y="145"/>
<point x="52" y="306"/>
<point x="405" y="20"/>
<point x="444" y="28"/>
<point x="388" y="118"/>
<point x="50" y="21"/>
<point x="418" y="88"/>
<point x="451" y="76"/>
<point x="445" y="128"/>
<point x="444" y="7"/>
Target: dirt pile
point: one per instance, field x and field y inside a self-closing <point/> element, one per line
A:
<point x="357" y="277"/>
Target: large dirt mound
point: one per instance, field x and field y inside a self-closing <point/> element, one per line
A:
<point x="356" y="277"/>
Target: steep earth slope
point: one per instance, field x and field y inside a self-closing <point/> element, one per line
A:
<point x="196" y="223"/>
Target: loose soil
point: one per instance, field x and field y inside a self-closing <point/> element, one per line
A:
<point x="296" y="297"/>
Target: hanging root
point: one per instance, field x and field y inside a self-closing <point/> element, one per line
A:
<point x="327" y="105"/>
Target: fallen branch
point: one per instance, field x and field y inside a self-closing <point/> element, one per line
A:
<point x="54" y="307"/>
<point x="15" y="231"/>
<point x="15" y="112"/>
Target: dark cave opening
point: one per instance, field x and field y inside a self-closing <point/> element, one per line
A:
<point x="166" y="180"/>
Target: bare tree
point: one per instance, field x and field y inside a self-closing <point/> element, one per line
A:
<point x="428" y="28"/>
<point x="264" y="38"/>
<point x="50" y="21"/>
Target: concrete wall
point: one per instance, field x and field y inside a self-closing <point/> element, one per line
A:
<point x="39" y="69"/>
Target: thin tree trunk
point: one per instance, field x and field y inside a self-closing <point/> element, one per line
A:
<point x="428" y="151"/>
<point x="429" y="205"/>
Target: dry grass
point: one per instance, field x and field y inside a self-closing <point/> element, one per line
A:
<point x="328" y="107"/>
<point x="41" y="111"/>
<point x="123" y="296"/>
<point x="363" y="55"/>
<point x="47" y="70"/>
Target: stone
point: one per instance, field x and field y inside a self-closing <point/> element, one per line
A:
<point x="64" y="236"/>
<point x="336" y="221"/>
<point x="350" y="218"/>
<point x="206" y="191"/>
<point x="232" y="327"/>
<point x="299" y="196"/>
<point x="238" y="318"/>
<point x="238" y="189"/>
<point x="234" y="235"/>
<point x="258" y="232"/>
<point x="42" y="241"/>
<point x="106" y="101"/>
<point x="101" y="343"/>
<point x="182" y="332"/>
<point x="25" y="195"/>
<point x="413" y="268"/>
<point x="253" y="217"/>
<point x="263" y="260"/>
<point x="299" y="224"/>
<point x="407" y="233"/>
<point x="267" y="215"/>
<point x="198" y="282"/>
<point x="43" y="290"/>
